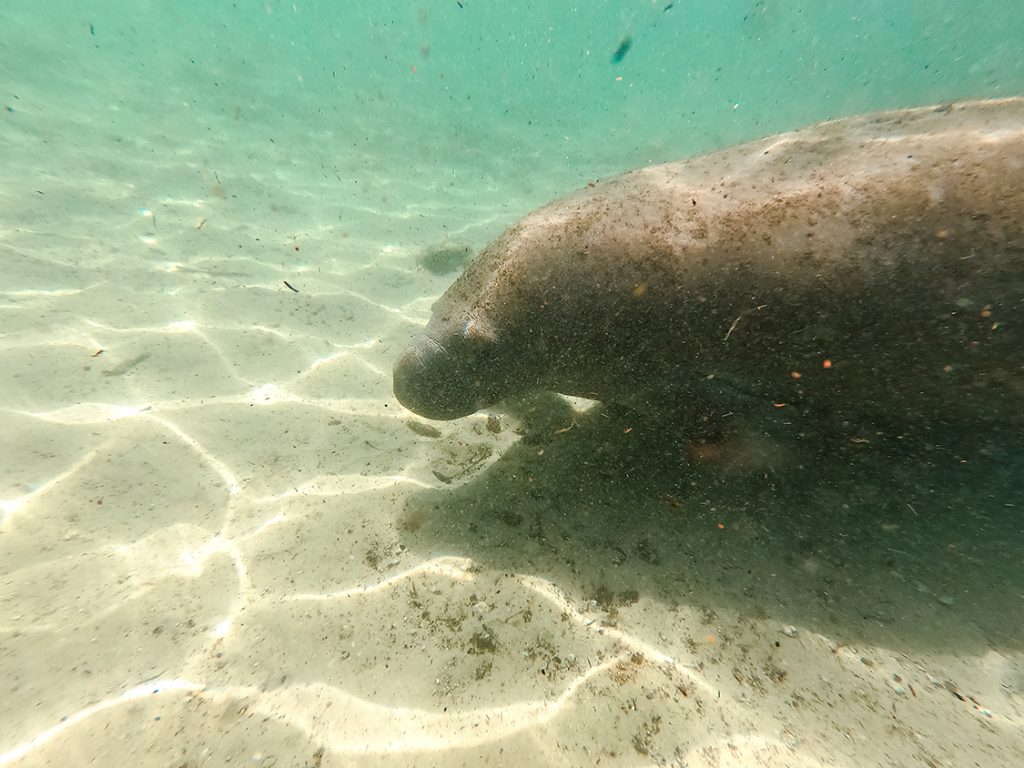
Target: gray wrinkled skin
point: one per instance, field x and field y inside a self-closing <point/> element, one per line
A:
<point x="867" y="265"/>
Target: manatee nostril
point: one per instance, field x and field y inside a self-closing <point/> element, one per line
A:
<point x="423" y="349"/>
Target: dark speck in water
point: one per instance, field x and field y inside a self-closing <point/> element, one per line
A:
<point x="622" y="50"/>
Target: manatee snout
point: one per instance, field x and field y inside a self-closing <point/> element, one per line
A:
<point x="439" y="381"/>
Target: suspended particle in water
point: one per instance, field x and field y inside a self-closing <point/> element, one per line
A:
<point x="622" y="50"/>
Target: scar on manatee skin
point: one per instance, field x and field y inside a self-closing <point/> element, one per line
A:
<point x="477" y="331"/>
<point x="736" y="322"/>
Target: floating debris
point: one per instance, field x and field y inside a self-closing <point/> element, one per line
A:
<point x="423" y="429"/>
<point x="622" y="50"/>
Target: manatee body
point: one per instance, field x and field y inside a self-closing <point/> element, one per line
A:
<point x="867" y="265"/>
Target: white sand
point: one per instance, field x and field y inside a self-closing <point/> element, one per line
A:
<point x="222" y="544"/>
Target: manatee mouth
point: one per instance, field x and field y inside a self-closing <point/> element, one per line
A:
<point x="434" y="383"/>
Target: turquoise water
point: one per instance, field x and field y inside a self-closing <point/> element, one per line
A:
<point x="221" y="541"/>
<point x="501" y="104"/>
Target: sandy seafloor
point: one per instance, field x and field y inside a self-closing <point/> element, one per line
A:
<point x="222" y="543"/>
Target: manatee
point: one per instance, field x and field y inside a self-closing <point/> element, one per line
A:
<point x="863" y="266"/>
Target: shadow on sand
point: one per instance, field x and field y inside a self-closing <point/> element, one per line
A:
<point x="908" y="543"/>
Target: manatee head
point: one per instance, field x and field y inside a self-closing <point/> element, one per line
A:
<point x="481" y="344"/>
<point x="445" y="375"/>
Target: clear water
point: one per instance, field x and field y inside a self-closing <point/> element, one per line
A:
<point x="222" y="544"/>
